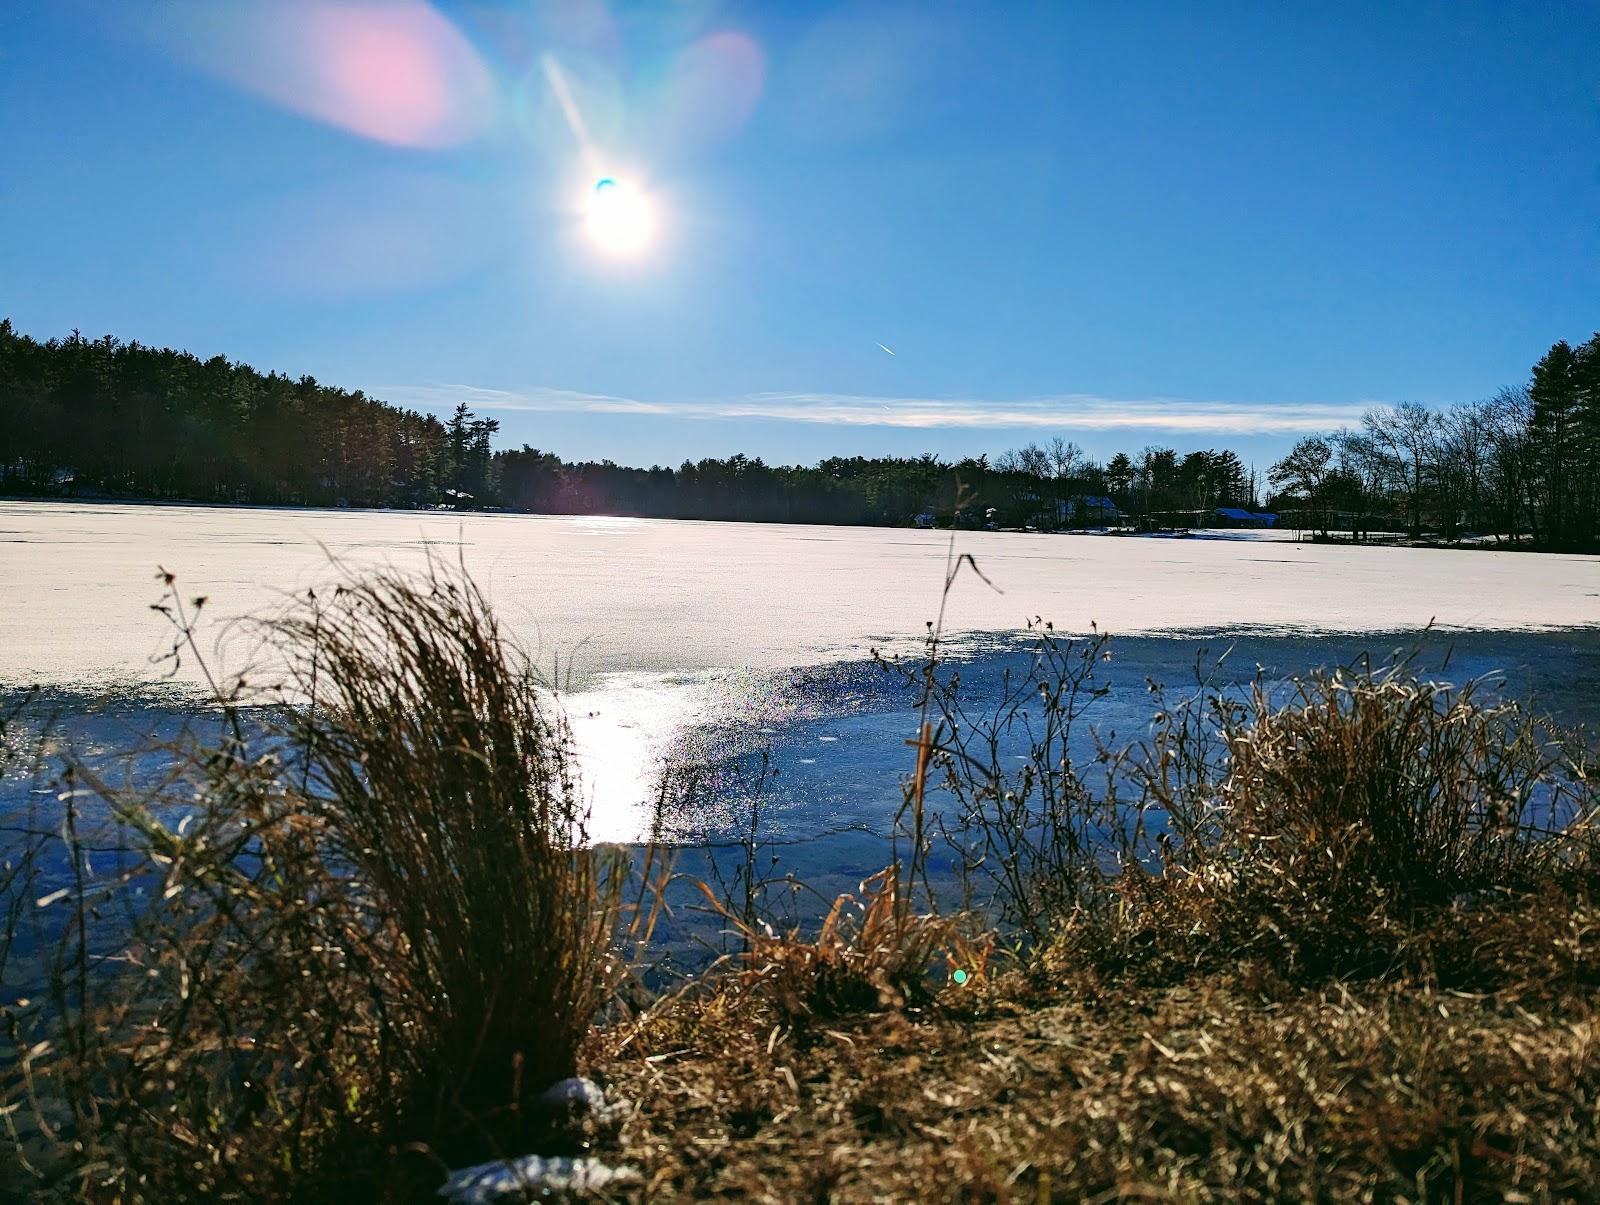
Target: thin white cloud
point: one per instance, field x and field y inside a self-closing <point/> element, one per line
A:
<point x="1081" y="412"/>
<point x="447" y="397"/>
<point x="1062" y="412"/>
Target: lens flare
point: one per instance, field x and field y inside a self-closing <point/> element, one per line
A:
<point x="398" y="72"/>
<point x="707" y="95"/>
<point x="619" y="218"/>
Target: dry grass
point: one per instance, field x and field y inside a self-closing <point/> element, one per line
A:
<point x="444" y="780"/>
<point x="1337" y="823"/>
<point x="868" y="955"/>
<point x="1230" y="1086"/>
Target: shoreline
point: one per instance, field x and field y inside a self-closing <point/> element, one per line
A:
<point x="1483" y="544"/>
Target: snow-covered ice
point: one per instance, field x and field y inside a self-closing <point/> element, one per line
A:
<point x="610" y="595"/>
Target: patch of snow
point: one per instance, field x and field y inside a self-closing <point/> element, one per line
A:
<point x="583" y="1096"/>
<point x="532" y="1177"/>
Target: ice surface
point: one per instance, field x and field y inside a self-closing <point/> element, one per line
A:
<point x="673" y="630"/>
<point x="611" y="595"/>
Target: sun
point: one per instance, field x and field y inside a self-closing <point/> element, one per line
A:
<point x="619" y="218"/>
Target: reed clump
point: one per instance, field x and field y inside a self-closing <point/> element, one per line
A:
<point x="443" y="778"/>
<point x="1326" y="826"/>
<point x="869" y="954"/>
<point x="360" y="933"/>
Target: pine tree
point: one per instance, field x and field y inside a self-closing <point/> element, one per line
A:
<point x="1586" y="468"/>
<point x="1556" y="433"/>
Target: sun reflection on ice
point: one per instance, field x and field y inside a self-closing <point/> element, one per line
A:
<point x="623" y="732"/>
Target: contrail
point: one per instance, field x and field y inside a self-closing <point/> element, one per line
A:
<point x="886" y="349"/>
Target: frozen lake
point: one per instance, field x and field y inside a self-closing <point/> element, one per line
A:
<point x="661" y="596"/>
<point x="700" y="642"/>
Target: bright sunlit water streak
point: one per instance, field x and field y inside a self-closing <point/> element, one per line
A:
<point x="623" y="732"/>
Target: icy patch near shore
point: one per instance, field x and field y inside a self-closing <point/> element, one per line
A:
<point x="539" y="1177"/>
<point x="531" y="1178"/>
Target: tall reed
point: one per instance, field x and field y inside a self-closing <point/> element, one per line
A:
<point x="444" y="780"/>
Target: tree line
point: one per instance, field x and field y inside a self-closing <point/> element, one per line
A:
<point x="1523" y="463"/>
<point x="102" y="417"/>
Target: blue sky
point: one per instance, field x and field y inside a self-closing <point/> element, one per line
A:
<point x="1212" y="224"/>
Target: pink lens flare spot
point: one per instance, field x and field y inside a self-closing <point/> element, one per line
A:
<point x="711" y="89"/>
<point x="396" y="72"/>
<point x="385" y="81"/>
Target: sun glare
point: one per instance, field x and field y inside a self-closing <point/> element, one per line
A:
<point x="620" y="219"/>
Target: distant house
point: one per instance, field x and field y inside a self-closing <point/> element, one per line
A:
<point x="1234" y="516"/>
<point x="1090" y="509"/>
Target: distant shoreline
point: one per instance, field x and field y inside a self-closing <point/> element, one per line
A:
<point x="1474" y="544"/>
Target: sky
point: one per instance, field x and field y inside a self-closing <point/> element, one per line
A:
<point x="867" y="228"/>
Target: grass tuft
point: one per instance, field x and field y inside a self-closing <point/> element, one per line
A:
<point x="360" y="933"/>
<point x="1341" y="820"/>
<point x="444" y="780"/>
<point x="869" y="955"/>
